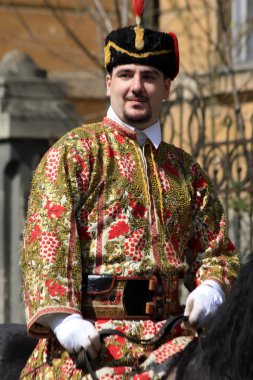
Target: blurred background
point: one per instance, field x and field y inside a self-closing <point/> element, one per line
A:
<point x="52" y="80"/>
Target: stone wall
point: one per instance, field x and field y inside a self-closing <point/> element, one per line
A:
<point x="34" y="112"/>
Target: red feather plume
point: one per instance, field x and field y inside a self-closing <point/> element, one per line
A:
<point x="138" y="7"/>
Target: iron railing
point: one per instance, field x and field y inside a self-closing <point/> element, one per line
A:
<point x="226" y="157"/>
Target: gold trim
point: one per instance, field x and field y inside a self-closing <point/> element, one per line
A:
<point x="145" y="185"/>
<point x="139" y="38"/>
<point x="110" y="44"/>
<point x="158" y="185"/>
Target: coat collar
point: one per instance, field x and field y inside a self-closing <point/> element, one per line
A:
<point x="153" y="133"/>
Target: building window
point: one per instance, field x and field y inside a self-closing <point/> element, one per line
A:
<point x="242" y="31"/>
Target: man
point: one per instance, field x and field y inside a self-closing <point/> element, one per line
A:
<point x="112" y="200"/>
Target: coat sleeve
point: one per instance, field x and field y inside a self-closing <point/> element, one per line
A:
<point x="211" y="254"/>
<point x="51" y="256"/>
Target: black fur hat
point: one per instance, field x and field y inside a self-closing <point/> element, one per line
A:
<point x="134" y="44"/>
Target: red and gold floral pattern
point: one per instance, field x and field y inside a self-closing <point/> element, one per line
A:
<point x="115" y="356"/>
<point x="100" y="204"/>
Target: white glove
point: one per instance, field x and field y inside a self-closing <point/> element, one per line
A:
<point x="74" y="333"/>
<point x="203" y="302"/>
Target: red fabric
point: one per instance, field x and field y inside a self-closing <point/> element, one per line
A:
<point x="138" y="7"/>
<point x="176" y="52"/>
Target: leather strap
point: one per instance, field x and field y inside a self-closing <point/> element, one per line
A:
<point x="129" y="297"/>
<point x="82" y="361"/>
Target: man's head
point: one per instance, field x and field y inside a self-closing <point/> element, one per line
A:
<point x="140" y="64"/>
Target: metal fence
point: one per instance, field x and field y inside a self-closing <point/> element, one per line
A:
<point x="223" y="151"/>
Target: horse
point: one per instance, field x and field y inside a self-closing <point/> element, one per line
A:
<point x="15" y="348"/>
<point x="224" y="350"/>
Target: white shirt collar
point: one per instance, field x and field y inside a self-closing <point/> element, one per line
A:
<point x="153" y="133"/>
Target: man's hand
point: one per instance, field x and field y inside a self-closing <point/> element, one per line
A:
<point x="203" y="302"/>
<point x="75" y="333"/>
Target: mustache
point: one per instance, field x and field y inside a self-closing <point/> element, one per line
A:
<point x="139" y="98"/>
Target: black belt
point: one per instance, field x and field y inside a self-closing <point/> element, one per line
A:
<point x="140" y="297"/>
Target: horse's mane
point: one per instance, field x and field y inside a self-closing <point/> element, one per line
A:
<point x="225" y="351"/>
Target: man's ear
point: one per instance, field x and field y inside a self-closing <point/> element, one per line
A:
<point x="108" y="84"/>
<point x="167" y="83"/>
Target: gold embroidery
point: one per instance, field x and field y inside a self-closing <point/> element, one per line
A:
<point x="139" y="38"/>
<point x="158" y="184"/>
<point x="131" y="54"/>
<point x="145" y="189"/>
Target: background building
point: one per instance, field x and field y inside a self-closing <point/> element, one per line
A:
<point x="209" y="113"/>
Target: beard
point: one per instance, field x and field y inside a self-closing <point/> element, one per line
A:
<point x="138" y="118"/>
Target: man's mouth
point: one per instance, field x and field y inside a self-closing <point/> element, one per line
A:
<point x="137" y="100"/>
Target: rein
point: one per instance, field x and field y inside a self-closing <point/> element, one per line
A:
<point x="83" y="362"/>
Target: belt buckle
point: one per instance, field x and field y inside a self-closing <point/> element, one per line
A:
<point x="145" y="297"/>
<point x="158" y="309"/>
<point x="135" y="297"/>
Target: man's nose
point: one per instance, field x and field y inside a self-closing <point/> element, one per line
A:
<point x="137" y="84"/>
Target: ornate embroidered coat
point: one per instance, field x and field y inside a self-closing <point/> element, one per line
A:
<point x="101" y="204"/>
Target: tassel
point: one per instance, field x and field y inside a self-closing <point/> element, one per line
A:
<point x="138" y="8"/>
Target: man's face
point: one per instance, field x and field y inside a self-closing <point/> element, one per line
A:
<point x="136" y="93"/>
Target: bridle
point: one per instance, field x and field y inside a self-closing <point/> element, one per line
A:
<point x="83" y="361"/>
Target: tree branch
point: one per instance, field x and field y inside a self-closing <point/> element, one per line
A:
<point x="72" y="35"/>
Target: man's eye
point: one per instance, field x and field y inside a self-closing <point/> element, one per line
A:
<point x="149" y="77"/>
<point x="124" y="75"/>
